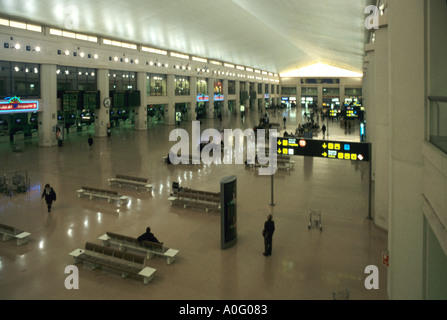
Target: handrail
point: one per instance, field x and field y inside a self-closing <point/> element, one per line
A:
<point x="437" y="99"/>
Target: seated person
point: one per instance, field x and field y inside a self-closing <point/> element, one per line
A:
<point x="148" y="236"/>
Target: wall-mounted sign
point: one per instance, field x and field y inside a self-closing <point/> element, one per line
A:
<point x="219" y="97"/>
<point x="352" y="151"/>
<point x="267" y="96"/>
<point x="202" y="98"/>
<point x="14" y="104"/>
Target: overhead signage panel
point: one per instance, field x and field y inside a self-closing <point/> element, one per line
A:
<point x="338" y="150"/>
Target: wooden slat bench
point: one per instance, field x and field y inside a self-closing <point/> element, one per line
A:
<point x="125" y="263"/>
<point x="149" y="248"/>
<point x="186" y="196"/>
<point x="100" y="193"/>
<point x="136" y="182"/>
<point x="9" y="232"/>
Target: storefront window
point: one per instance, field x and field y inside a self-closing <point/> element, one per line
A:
<point x="76" y="79"/>
<point x="218" y="87"/>
<point x="309" y="91"/>
<point x="355" y="92"/>
<point x="231" y="87"/>
<point x="122" y="81"/>
<point x="288" y="90"/>
<point x="19" y="79"/>
<point x="181" y="86"/>
<point x="202" y="87"/>
<point x="331" y="91"/>
<point x="267" y="89"/>
<point x="157" y="85"/>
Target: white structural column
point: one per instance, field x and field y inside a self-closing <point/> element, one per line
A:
<point x="407" y="101"/>
<point x="48" y="117"/>
<point x="320" y="97"/>
<point x="102" y="116"/>
<point x="382" y="130"/>
<point x="141" y="112"/>
<point x="170" y="108"/>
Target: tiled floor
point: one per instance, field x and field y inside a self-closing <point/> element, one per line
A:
<point x="306" y="264"/>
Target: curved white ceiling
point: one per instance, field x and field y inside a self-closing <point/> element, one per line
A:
<point x="276" y="36"/>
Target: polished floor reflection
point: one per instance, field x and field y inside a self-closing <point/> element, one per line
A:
<point x="305" y="264"/>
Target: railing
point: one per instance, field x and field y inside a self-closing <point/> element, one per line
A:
<point x="438" y="122"/>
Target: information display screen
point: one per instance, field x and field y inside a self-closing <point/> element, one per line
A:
<point x="339" y="150"/>
<point x="118" y="99"/>
<point x="71" y="101"/>
<point x="91" y="100"/>
<point x="228" y="208"/>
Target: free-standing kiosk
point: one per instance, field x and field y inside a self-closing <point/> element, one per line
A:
<point x="228" y="211"/>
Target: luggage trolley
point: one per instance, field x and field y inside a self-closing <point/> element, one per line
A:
<point x="315" y="217"/>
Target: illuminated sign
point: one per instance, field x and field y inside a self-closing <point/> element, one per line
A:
<point x="14" y="104"/>
<point x="339" y="150"/>
<point x="219" y="97"/>
<point x="203" y="98"/>
<point x="351" y="113"/>
<point x="266" y="96"/>
<point x="333" y="113"/>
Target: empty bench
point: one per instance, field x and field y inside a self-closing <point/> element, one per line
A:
<point x="100" y="193"/>
<point x="9" y="232"/>
<point x="125" y="263"/>
<point x="136" y="182"/>
<point x="208" y="200"/>
<point x="150" y="249"/>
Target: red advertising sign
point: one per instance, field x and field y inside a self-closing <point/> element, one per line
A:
<point x="11" y="105"/>
<point x="202" y="98"/>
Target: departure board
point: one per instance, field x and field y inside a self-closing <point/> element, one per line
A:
<point x="91" y="100"/>
<point x="70" y="100"/>
<point x="118" y="99"/>
<point x="339" y="150"/>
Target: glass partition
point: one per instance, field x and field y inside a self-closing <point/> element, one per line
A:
<point x="438" y="122"/>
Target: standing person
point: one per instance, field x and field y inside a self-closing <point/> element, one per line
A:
<point x="284" y="119"/>
<point x="324" y="130"/>
<point x="49" y="195"/>
<point x="90" y="142"/>
<point x="269" y="229"/>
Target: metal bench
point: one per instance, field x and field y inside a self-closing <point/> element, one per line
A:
<point x="9" y="232"/>
<point x="100" y="193"/>
<point x="125" y="263"/>
<point x="189" y="197"/>
<point x="136" y="182"/>
<point x="149" y="248"/>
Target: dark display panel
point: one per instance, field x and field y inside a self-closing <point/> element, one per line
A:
<point x="228" y="194"/>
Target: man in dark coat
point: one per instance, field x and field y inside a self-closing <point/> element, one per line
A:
<point x="269" y="229"/>
<point x="148" y="236"/>
<point x="49" y="195"/>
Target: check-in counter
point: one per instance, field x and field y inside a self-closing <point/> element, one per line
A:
<point x="19" y="136"/>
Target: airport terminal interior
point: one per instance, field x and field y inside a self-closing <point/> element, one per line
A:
<point x="351" y="96"/>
